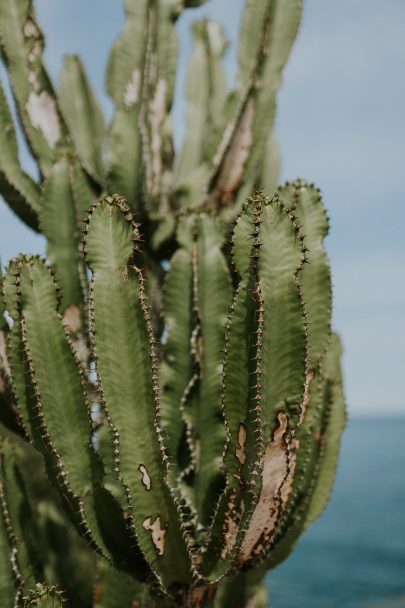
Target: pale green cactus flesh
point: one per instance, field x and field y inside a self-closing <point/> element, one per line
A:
<point x="18" y="189"/>
<point x="82" y="115"/>
<point x="206" y="90"/>
<point x="22" y="45"/>
<point x="173" y="361"/>
<point x="114" y="588"/>
<point x="129" y="385"/>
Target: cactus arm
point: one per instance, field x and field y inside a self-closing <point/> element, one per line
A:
<point x="127" y="371"/>
<point x="124" y="85"/>
<point x="58" y="223"/>
<point x="281" y="259"/>
<point x="83" y="115"/>
<point x="9" y="411"/>
<point x="333" y="428"/>
<point x="262" y="57"/>
<point x="83" y="190"/>
<point x="44" y="596"/>
<point x="177" y="364"/>
<point x="270" y="166"/>
<point x="316" y="293"/>
<point x="17" y="188"/>
<point x="140" y="79"/>
<point x="53" y="394"/>
<point x="114" y="588"/>
<point x="11" y="577"/>
<point x="240" y="460"/>
<point x="22" y="391"/>
<point x="196" y="349"/>
<point x="8" y="589"/>
<point x="22" y="47"/>
<point x="19" y="513"/>
<point x="268" y="255"/>
<point x="306" y="203"/>
<point x="212" y="298"/>
<point x="206" y="91"/>
<point x="158" y="88"/>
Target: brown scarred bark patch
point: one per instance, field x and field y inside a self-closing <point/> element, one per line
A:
<point x="158" y="533"/>
<point x="278" y="467"/>
<point x="230" y="173"/>
<point x="146" y="480"/>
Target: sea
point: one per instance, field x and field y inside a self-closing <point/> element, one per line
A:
<point x="353" y="556"/>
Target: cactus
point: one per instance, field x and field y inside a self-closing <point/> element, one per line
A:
<point x="172" y="361"/>
<point x="44" y="596"/>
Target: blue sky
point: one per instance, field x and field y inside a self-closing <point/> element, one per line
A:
<point x="341" y="124"/>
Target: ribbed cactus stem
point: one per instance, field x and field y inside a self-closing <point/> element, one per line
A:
<point x="44" y="596"/>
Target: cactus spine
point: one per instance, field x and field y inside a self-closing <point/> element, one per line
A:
<point x="173" y="360"/>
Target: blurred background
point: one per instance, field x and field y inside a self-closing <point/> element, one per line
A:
<point x="341" y="124"/>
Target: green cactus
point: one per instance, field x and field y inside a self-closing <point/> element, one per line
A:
<point x="173" y="362"/>
<point x="44" y="596"/>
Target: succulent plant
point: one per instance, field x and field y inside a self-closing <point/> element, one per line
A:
<point x="172" y="360"/>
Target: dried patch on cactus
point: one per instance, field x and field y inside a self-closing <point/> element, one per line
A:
<point x="131" y="91"/>
<point x="146" y="480"/>
<point x="3" y="354"/>
<point x="158" y="533"/>
<point x="157" y="114"/>
<point x="72" y="319"/>
<point x="231" y="524"/>
<point x="240" y="450"/>
<point x="33" y="79"/>
<point x="278" y="468"/>
<point x="30" y="29"/>
<point x="42" y="112"/>
<point x="35" y="52"/>
<point x="233" y="163"/>
<point x="307" y="394"/>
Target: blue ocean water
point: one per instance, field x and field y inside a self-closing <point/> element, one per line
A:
<point x="353" y="556"/>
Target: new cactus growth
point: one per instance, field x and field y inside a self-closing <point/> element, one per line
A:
<point x="173" y="360"/>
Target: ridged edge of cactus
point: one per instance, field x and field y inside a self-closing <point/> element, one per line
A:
<point x="22" y="45"/>
<point x="9" y="552"/>
<point x="83" y="116"/>
<point x="110" y="243"/>
<point x="44" y="595"/>
<point x="266" y="236"/>
<point x="18" y="189"/>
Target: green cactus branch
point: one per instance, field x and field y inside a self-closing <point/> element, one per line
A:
<point x="18" y="189"/>
<point x="261" y="59"/>
<point x="171" y="368"/>
<point x="44" y="596"/>
<point x="22" y="45"/>
<point x="206" y="90"/>
<point x="83" y="116"/>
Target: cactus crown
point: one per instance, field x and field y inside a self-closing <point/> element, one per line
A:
<point x="173" y="360"/>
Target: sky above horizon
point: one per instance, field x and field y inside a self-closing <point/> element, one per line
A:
<point x="340" y="123"/>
